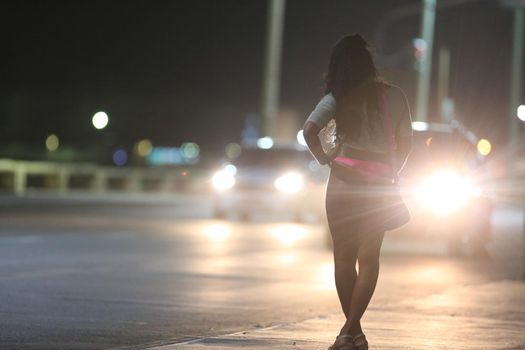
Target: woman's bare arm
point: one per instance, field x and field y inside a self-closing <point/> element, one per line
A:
<point x="311" y="136"/>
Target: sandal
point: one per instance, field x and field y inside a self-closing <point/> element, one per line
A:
<point x="360" y="342"/>
<point x="343" y="342"/>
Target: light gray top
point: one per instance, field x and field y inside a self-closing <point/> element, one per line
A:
<point x="372" y="140"/>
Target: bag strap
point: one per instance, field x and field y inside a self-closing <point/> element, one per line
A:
<point x="389" y="136"/>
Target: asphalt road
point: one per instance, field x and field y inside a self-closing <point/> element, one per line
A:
<point x="125" y="272"/>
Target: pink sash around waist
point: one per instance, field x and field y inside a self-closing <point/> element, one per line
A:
<point x="372" y="171"/>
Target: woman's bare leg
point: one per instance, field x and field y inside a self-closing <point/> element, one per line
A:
<point x="345" y="257"/>
<point x="368" y="258"/>
<point x="344" y="241"/>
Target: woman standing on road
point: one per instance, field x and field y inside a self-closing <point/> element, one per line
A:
<point x="361" y="105"/>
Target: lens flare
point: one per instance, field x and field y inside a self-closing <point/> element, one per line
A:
<point x="445" y="192"/>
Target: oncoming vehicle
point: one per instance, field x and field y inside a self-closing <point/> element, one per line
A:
<point x="281" y="180"/>
<point x="443" y="184"/>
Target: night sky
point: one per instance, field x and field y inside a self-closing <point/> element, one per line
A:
<point x="178" y="71"/>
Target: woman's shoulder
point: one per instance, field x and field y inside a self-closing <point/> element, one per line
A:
<point x="328" y="100"/>
<point x="329" y="97"/>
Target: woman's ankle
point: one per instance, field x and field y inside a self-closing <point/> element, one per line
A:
<point x="355" y="330"/>
<point x="352" y="329"/>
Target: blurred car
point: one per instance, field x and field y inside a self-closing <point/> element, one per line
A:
<point x="282" y="180"/>
<point x="444" y="185"/>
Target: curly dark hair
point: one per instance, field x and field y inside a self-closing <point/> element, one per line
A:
<point x="353" y="80"/>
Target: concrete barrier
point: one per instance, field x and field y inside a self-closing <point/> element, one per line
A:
<point x="17" y="174"/>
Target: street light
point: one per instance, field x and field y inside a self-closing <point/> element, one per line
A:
<point x="100" y="120"/>
<point x="144" y="148"/>
<point x="233" y="150"/>
<point x="190" y="151"/>
<point x="484" y="147"/>
<point x="52" y="142"/>
<point x="120" y="157"/>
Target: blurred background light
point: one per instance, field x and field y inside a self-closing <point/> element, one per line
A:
<point x="288" y="258"/>
<point x="100" y="120"/>
<point x="190" y="150"/>
<point x="222" y="180"/>
<point x="265" y="142"/>
<point x="144" y="147"/>
<point x="230" y="169"/>
<point x="52" y="142"/>
<point x="288" y="234"/>
<point x="233" y="150"/>
<point x="445" y="192"/>
<point x="300" y="138"/>
<point x="313" y="165"/>
<point x="324" y="277"/>
<point x="120" y="157"/>
<point x="419" y="126"/>
<point x="484" y="147"/>
<point x="291" y="182"/>
<point x="521" y="112"/>
<point x="217" y="232"/>
<point x="165" y="156"/>
<point x="420" y="47"/>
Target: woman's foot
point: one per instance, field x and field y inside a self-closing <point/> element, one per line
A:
<point x="360" y="342"/>
<point x="343" y="342"/>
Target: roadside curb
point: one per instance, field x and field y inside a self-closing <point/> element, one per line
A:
<point x="275" y="336"/>
<point x="484" y="316"/>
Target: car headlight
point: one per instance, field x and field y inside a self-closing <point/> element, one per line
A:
<point x="289" y="183"/>
<point x="445" y="192"/>
<point x="223" y="180"/>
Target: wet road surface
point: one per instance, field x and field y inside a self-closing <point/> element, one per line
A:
<point x="119" y="274"/>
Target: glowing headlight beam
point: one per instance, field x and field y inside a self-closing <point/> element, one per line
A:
<point x="289" y="183"/>
<point x="223" y="180"/>
<point x="445" y="192"/>
<point x="289" y="234"/>
<point x="217" y="232"/>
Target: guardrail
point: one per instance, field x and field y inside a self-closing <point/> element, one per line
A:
<point x="15" y="175"/>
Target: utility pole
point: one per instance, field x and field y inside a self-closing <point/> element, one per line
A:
<point x="443" y="82"/>
<point x="425" y="64"/>
<point x="516" y="84"/>
<point x="516" y="99"/>
<point x="516" y="90"/>
<point x="272" y="65"/>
